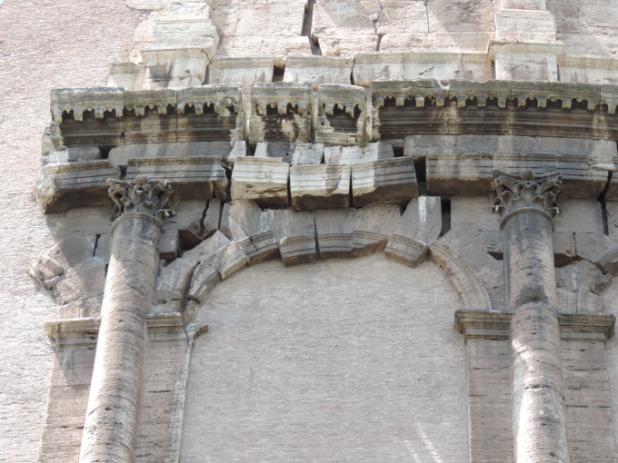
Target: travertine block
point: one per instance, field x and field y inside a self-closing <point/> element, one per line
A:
<point x="264" y="46"/>
<point x="406" y="250"/>
<point x="525" y="61"/>
<point x="525" y="26"/>
<point x="588" y="70"/>
<point x="317" y="70"/>
<point x="263" y="180"/>
<point x="120" y="155"/>
<point x="175" y="278"/>
<point x="192" y="178"/>
<point x="68" y="185"/>
<point x="464" y="42"/>
<point x="240" y="71"/>
<point x="280" y="112"/>
<point x="346" y="43"/>
<point x="124" y="75"/>
<point x="340" y="115"/>
<point x="307" y="154"/>
<point x="373" y="227"/>
<point x="275" y="149"/>
<point x="319" y="186"/>
<point x="464" y="164"/>
<point x="387" y="181"/>
<point x="349" y="155"/>
<point x="402" y="15"/>
<point x="411" y="66"/>
<point x="246" y="17"/>
<point x="334" y="233"/>
<point x="295" y="233"/>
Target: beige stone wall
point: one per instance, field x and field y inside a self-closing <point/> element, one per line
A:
<point x="42" y="45"/>
<point x="343" y="360"/>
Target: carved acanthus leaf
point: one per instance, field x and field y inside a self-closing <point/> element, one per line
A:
<point x="142" y="195"/>
<point x="526" y="191"/>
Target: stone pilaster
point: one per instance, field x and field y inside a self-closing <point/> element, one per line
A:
<point x="111" y="416"/>
<point x="527" y="204"/>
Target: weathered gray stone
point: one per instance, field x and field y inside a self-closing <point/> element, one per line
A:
<point x="260" y="179"/>
<point x="319" y="186"/>
<point x="387" y="181"/>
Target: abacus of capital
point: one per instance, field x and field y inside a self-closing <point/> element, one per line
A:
<point x="113" y="402"/>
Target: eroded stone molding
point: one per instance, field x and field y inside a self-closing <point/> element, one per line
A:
<point x="516" y="194"/>
<point x="141" y="196"/>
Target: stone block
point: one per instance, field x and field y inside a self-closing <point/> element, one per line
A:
<point x="319" y="186"/>
<point x="262" y="180"/>
<point x="74" y="184"/>
<point x="346" y="43"/>
<point x="349" y="155"/>
<point x="406" y="250"/>
<point x="387" y="181"/>
<point x="120" y="155"/>
<point x="176" y="278"/>
<point x="456" y="16"/>
<point x="317" y="70"/>
<point x="246" y="18"/>
<point x="169" y="245"/>
<point x="461" y="42"/>
<point x="373" y="227"/>
<point x="264" y="46"/>
<point x="280" y="112"/>
<point x="537" y="26"/>
<point x="192" y="178"/>
<point x="240" y="71"/>
<point x="525" y="61"/>
<point x="464" y="164"/>
<point x="124" y="75"/>
<point x="386" y="66"/>
<point x="275" y="149"/>
<point x="295" y="234"/>
<point x="402" y="15"/>
<point x="307" y="154"/>
<point x="341" y="115"/>
<point x="588" y="70"/>
<point x="334" y="233"/>
<point x="83" y="153"/>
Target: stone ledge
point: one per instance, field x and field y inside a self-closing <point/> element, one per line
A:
<point x="71" y="332"/>
<point x="497" y="326"/>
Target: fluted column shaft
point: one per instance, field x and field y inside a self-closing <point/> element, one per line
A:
<point x="539" y="424"/>
<point x="111" y="416"/>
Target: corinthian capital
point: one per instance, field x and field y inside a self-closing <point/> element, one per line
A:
<point x="141" y="195"/>
<point x="526" y="191"/>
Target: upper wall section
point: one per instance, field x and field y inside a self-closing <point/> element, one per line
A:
<point x="191" y="42"/>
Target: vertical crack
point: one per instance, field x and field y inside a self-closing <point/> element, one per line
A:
<point x="96" y="244"/>
<point x="315" y="238"/>
<point x="603" y="202"/>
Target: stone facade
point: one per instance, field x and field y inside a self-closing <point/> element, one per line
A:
<point x="310" y="230"/>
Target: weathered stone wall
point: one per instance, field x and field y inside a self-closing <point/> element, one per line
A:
<point x="42" y="45"/>
<point x="344" y="360"/>
<point x="45" y="45"/>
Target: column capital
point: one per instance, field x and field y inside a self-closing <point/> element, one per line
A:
<point x="141" y="196"/>
<point x="526" y="192"/>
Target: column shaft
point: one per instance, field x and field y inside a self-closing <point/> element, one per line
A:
<point x="539" y="422"/>
<point x="113" y="403"/>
